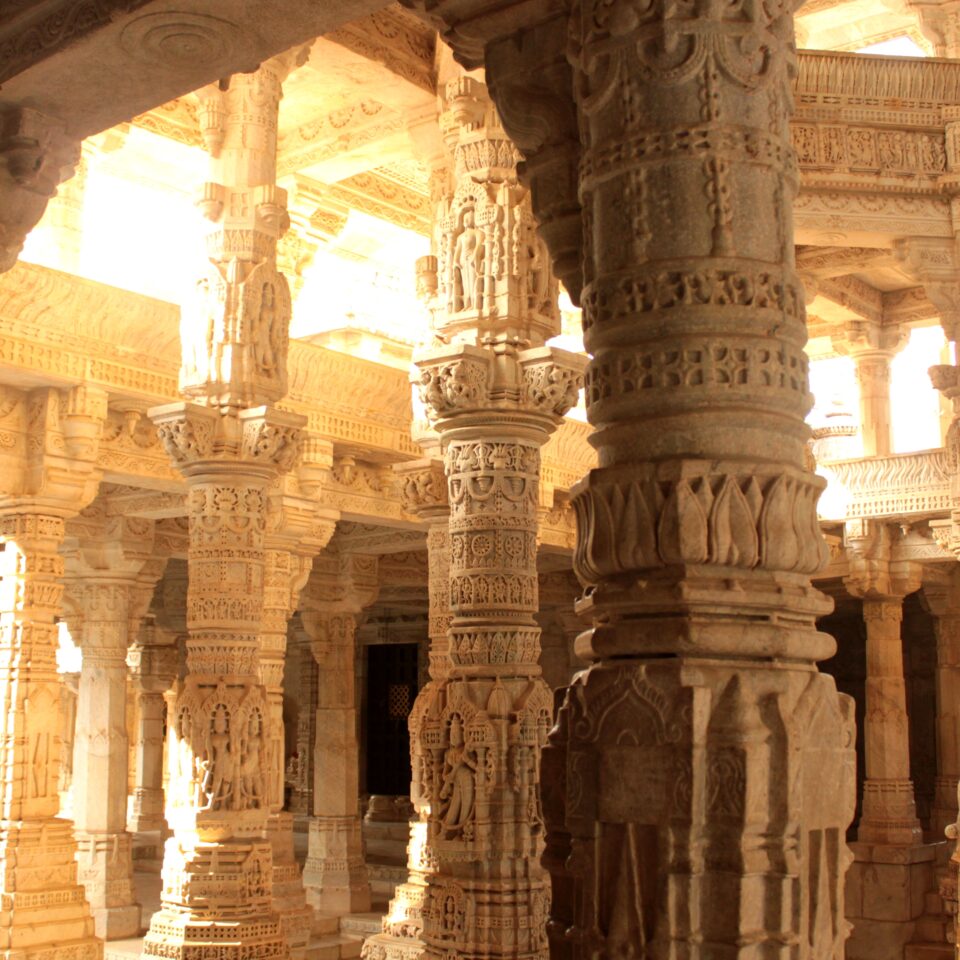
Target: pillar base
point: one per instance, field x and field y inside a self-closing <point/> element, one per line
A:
<point x="146" y="811"/>
<point x="383" y="946"/>
<point x="46" y="912"/>
<point x="289" y="896"/>
<point x="105" y="862"/>
<point x="884" y="896"/>
<point x="216" y="902"/>
<point x="889" y="815"/>
<point x="335" y="874"/>
<point x="944" y="812"/>
<point x="175" y="937"/>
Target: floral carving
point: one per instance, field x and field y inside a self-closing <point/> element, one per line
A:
<point x="740" y="521"/>
<point x="552" y="387"/>
<point x="457" y="384"/>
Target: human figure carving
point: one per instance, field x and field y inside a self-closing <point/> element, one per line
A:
<point x="457" y="792"/>
<point x="266" y="359"/>
<point x="217" y="784"/>
<point x="467" y="264"/>
<point x="251" y="774"/>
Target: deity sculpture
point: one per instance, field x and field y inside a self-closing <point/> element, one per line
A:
<point x="266" y="358"/>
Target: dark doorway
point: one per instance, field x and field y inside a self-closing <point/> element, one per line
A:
<point x="391" y="690"/>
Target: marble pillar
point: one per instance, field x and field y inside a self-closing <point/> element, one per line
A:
<point x="36" y="156"/>
<point x="943" y="601"/>
<point x="892" y="868"/>
<point x="700" y="779"/>
<point x="70" y="686"/>
<point x="104" y="848"/>
<point x="297" y="533"/>
<point x="888" y="812"/>
<point x="49" y="475"/>
<point x="111" y="575"/>
<point x="335" y="874"/>
<point x="306" y="672"/>
<point x="152" y="662"/>
<point x="872" y="349"/>
<point x="423" y="490"/>
<point x="493" y="393"/>
<point x="231" y="445"/>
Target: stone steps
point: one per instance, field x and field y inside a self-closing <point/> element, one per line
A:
<point x="123" y="949"/>
<point x="361" y="924"/>
<point x="335" y="947"/>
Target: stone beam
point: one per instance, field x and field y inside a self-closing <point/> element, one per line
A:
<point x="826" y="262"/>
<point x="118" y="58"/>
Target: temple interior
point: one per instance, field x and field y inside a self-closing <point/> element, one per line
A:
<point x="479" y="480"/>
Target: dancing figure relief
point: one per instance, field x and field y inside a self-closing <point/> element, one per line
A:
<point x="251" y="770"/>
<point x="217" y="783"/>
<point x="458" y="792"/>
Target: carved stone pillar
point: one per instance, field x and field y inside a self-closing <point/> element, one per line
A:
<point x="306" y="671"/>
<point x="888" y="811"/>
<point x="296" y="532"/>
<point x="231" y="447"/>
<point x="891" y="862"/>
<point x="560" y="627"/>
<point x="872" y="349"/>
<point x="335" y="874"/>
<point x="70" y="683"/>
<point x="699" y="781"/>
<point x="888" y="814"/>
<point x="943" y="601"/>
<point x="110" y="580"/>
<point x="152" y="660"/>
<point x="35" y="156"/>
<point x="423" y="490"/>
<point x="494" y="394"/>
<point x="219" y="729"/>
<point x="48" y="474"/>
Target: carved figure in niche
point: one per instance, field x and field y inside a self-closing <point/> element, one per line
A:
<point x="265" y="353"/>
<point x="467" y="265"/>
<point x="251" y="773"/>
<point x="217" y="784"/>
<point x="39" y="773"/>
<point x="183" y="762"/>
<point x="457" y="793"/>
<point x="528" y="251"/>
<point x="197" y="333"/>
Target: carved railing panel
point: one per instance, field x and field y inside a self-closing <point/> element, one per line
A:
<point x="901" y="485"/>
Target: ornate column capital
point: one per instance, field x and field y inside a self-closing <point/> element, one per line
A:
<point x="932" y="261"/>
<point x="476" y="384"/>
<point x="873" y="574"/>
<point x="423" y="487"/>
<point x="48" y="462"/>
<point x="257" y="442"/>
